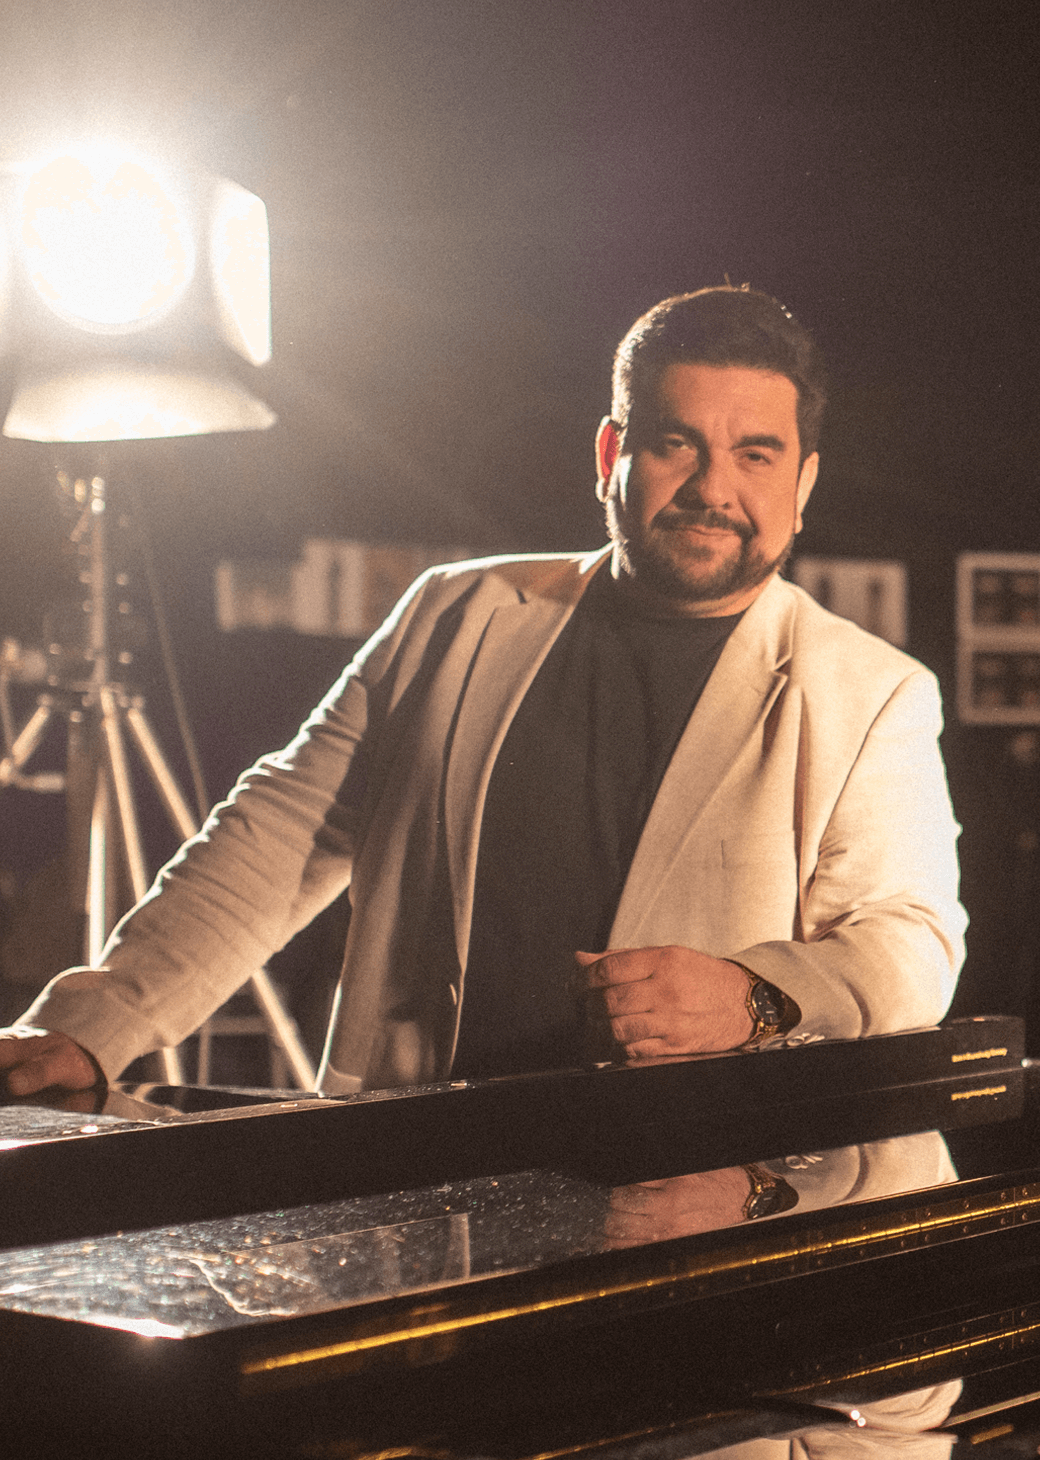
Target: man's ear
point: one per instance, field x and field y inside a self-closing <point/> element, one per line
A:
<point x="608" y="448"/>
<point x="806" y="482"/>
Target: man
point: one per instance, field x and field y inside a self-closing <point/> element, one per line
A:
<point x="658" y="764"/>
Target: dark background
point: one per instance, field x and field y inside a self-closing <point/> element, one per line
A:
<point x="469" y="202"/>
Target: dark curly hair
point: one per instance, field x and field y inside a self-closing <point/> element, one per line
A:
<point x="722" y="326"/>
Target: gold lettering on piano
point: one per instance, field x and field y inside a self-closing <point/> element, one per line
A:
<point x="980" y="1437"/>
<point x="977" y="1054"/>
<point x="971" y="1094"/>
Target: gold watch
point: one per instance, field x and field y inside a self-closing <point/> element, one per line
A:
<point x="769" y="1195"/>
<point x="772" y="1013"/>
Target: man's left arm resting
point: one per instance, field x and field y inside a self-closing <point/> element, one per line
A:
<point x="880" y="937"/>
<point x="877" y="936"/>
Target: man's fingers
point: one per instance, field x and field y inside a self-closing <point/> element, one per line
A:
<point x="646" y="1049"/>
<point x="13" y="1043"/>
<point x="620" y="965"/>
<point x="35" y="1061"/>
<point x="641" y="1197"/>
<point x="681" y="1000"/>
<point x="623" y="1230"/>
<point x="47" y="1070"/>
<point x="635" y="1029"/>
<point x="622" y="999"/>
<point x="29" y="1077"/>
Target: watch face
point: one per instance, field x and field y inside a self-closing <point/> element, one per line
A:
<point x="766" y="1006"/>
<point x="766" y="1203"/>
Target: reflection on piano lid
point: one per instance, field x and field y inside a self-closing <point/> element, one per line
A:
<point x="359" y="1250"/>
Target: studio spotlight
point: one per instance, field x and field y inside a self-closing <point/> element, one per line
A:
<point x="124" y="288"/>
<point x="125" y="293"/>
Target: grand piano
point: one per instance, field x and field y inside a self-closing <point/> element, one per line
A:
<point x="830" y="1248"/>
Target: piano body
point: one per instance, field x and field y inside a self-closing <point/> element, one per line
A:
<point x="632" y="1263"/>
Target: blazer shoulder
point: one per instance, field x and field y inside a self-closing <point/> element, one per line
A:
<point x="459" y="598"/>
<point x="517" y="576"/>
<point x="826" y="640"/>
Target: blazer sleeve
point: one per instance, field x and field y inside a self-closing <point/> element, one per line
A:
<point x="882" y="931"/>
<point x="268" y="859"/>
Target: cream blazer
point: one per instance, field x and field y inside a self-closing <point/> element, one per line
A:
<point x="803" y="827"/>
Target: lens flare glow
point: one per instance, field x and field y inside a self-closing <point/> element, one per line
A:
<point x="106" y="244"/>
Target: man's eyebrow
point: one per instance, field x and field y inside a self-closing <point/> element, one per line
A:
<point x="775" y="443"/>
<point x="672" y="426"/>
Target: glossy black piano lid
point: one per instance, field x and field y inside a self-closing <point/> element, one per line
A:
<point x="358" y="1320"/>
<point x="615" y="1126"/>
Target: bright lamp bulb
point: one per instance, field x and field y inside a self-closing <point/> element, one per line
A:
<point x="106" y="245"/>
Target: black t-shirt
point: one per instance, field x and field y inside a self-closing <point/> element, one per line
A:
<point x="571" y="789"/>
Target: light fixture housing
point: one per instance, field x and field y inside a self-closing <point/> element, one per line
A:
<point x="122" y="289"/>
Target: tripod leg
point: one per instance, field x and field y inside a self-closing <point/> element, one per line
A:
<point x="26" y="741"/>
<point x="99" y="894"/>
<point x="115" y="753"/>
<point x="205" y="1048"/>
<point x="280" y="1024"/>
<point x="124" y="793"/>
<point x="283" y="1031"/>
<point x="81" y="773"/>
<point x="177" y="807"/>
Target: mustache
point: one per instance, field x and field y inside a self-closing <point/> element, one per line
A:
<point x="674" y="519"/>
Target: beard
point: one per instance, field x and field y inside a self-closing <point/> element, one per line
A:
<point x="662" y="559"/>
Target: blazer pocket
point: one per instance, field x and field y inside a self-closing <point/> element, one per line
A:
<point x="755" y="891"/>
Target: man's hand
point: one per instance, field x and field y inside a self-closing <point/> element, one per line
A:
<point x="36" y="1059"/>
<point x="663" y="1001"/>
<point x="653" y="1211"/>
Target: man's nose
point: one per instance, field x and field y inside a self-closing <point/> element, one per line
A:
<point x="708" y="486"/>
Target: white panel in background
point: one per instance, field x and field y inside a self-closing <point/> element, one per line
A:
<point x="336" y="587"/>
<point x="254" y="593"/>
<point x="998" y="638"/>
<point x="872" y="593"/>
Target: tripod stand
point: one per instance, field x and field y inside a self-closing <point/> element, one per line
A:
<point x="104" y="718"/>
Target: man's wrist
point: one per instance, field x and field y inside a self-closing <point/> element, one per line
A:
<point x="773" y="1013"/>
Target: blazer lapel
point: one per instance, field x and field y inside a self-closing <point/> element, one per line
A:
<point x="733" y="706"/>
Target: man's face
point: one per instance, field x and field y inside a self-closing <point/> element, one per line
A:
<point x="706" y="491"/>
